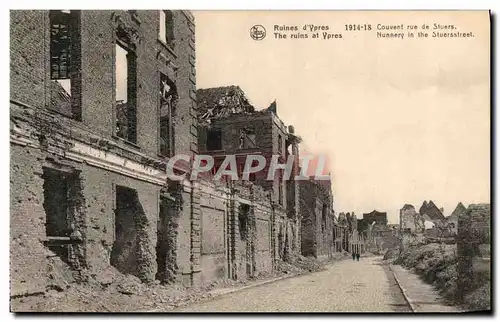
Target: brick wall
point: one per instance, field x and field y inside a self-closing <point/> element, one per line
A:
<point x="316" y="236"/>
<point x="27" y="60"/>
<point x="39" y="135"/>
<point x="30" y="74"/>
<point x="224" y="253"/>
<point x="214" y="241"/>
<point x="100" y="189"/>
<point x="27" y="223"/>
<point x="268" y="129"/>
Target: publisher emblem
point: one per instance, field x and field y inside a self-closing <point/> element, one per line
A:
<point x="258" y="32"/>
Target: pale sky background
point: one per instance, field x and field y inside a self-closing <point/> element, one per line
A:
<point x="402" y="121"/>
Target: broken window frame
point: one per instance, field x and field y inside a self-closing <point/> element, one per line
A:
<point x="64" y="59"/>
<point x="168" y="99"/>
<point x="246" y="141"/>
<point x="166" y="20"/>
<point x="130" y="133"/>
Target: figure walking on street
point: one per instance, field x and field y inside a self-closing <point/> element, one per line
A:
<point x="357" y="256"/>
<point x="353" y="256"/>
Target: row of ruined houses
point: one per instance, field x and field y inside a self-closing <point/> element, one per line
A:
<point x="430" y="224"/>
<point x="100" y="101"/>
<point x="427" y="225"/>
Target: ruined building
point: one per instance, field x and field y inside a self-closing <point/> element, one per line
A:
<point x="452" y="220"/>
<point x="432" y="213"/>
<point x="409" y="220"/>
<point x="99" y="102"/>
<point x="473" y="245"/>
<point x="346" y="236"/>
<point x="317" y="219"/>
<point x="230" y="125"/>
<point x="373" y="218"/>
<point x="378" y="234"/>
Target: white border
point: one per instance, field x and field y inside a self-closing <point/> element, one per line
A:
<point x="192" y="5"/>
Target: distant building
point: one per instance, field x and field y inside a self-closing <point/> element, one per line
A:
<point x="380" y="219"/>
<point x="228" y="124"/>
<point x="409" y="220"/>
<point x="429" y="211"/>
<point x="452" y="220"/>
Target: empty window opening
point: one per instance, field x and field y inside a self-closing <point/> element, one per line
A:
<point x="247" y="138"/>
<point x="280" y="189"/>
<point x="168" y="100"/>
<point x="166" y="32"/>
<point x="323" y="218"/>
<point x="63" y="60"/>
<point x="165" y="233"/>
<point x="280" y="144"/>
<point x="125" y="80"/>
<point x="130" y="233"/>
<point x="60" y="190"/>
<point x="243" y="221"/>
<point x="214" y="139"/>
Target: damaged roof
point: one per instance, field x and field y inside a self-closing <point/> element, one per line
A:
<point x="223" y="100"/>
<point x="219" y="102"/>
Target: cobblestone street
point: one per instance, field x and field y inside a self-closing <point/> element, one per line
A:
<point x="346" y="286"/>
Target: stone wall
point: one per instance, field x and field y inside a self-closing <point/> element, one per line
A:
<point x="474" y="232"/>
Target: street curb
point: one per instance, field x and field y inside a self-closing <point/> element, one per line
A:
<point x="214" y="295"/>
<point x="217" y="294"/>
<point x="405" y="294"/>
<point x="269" y="281"/>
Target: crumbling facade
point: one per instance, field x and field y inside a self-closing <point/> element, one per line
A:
<point x="473" y="244"/>
<point x="409" y="220"/>
<point x="100" y="102"/>
<point x="88" y="152"/>
<point x="230" y="125"/>
<point x="317" y="225"/>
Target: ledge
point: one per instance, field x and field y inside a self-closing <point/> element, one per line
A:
<point x="126" y="142"/>
<point x="167" y="47"/>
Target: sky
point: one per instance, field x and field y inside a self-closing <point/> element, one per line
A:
<point x="400" y="120"/>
